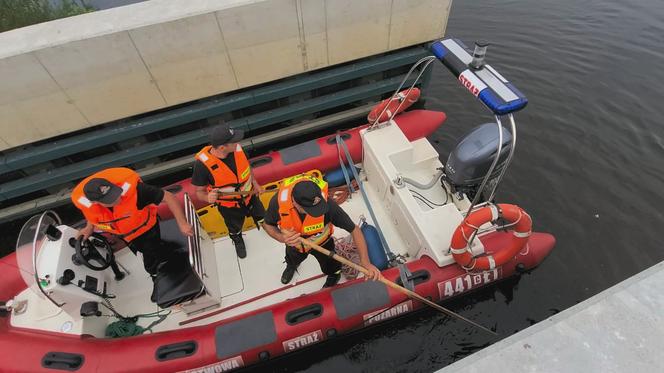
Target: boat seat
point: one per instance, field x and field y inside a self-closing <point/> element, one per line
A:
<point x="175" y="282"/>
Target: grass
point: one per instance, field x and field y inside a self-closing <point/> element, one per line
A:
<point x="20" y="13"/>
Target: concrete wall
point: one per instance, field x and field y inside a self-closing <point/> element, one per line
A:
<point x="78" y="72"/>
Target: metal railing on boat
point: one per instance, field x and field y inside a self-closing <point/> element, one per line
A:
<point x="194" y="243"/>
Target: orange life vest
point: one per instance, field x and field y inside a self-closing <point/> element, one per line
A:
<point x="312" y="228"/>
<point x="124" y="219"/>
<point x="226" y="180"/>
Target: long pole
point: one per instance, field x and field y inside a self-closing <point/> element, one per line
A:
<point x="394" y="286"/>
<point x="236" y="193"/>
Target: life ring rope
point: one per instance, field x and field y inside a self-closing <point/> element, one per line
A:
<point x="470" y="226"/>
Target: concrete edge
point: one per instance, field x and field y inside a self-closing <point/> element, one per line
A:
<point x="462" y="365"/>
<point x="104" y="22"/>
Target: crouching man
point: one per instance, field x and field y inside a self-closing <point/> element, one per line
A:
<point x="301" y="209"/>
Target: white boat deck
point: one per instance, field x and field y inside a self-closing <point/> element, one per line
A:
<point x="411" y="230"/>
<point x="618" y="330"/>
<point x="240" y="280"/>
<point x="260" y="273"/>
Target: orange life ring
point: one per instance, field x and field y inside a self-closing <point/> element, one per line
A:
<point x="521" y="231"/>
<point x="403" y="98"/>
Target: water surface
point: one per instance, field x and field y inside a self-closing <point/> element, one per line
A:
<point x="588" y="168"/>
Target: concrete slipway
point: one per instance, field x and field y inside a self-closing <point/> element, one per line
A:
<point x="618" y="330"/>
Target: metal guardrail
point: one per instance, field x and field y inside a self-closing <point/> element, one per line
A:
<point x="61" y="198"/>
<point x="69" y="173"/>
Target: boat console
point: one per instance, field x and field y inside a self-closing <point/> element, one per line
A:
<point x="389" y="159"/>
<point x="403" y="174"/>
<point x="72" y="281"/>
<point x="73" y="271"/>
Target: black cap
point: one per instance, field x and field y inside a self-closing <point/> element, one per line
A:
<point x="308" y="195"/>
<point x="102" y="190"/>
<point x="223" y="134"/>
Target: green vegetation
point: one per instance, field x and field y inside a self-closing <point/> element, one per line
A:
<point x="21" y="13"/>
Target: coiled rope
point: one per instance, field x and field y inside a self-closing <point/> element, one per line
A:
<point x="127" y="326"/>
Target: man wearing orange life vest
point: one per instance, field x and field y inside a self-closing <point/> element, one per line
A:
<point x="223" y="167"/>
<point x="116" y="201"/>
<point x="301" y="209"/>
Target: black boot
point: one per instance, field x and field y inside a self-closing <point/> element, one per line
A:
<point x="240" y="249"/>
<point x="287" y="276"/>
<point x="332" y="279"/>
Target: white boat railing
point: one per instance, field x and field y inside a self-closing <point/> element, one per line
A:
<point x="194" y="243"/>
<point x="426" y="61"/>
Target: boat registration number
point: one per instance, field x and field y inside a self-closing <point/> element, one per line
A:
<point x="467" y="282"/>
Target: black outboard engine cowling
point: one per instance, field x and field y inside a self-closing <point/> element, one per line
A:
<point x="471" y="159"/>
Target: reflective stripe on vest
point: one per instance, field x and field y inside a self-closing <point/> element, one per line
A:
<point x="226" y="180"/>
<point x="322" y="236"/>
<point x="124" y="219"/>
<point x="312" y="228"/>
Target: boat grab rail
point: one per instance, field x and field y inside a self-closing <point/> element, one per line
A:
<point x="401" y="181"/>
<point x="194" y="243"/>
<point x="509" y="157"/>
<point x="424" y="60"/>
<point x="478" y="195"/>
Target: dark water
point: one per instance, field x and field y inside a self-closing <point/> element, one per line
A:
<point x="588" y="167"/>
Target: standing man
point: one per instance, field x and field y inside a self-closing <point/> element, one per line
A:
<point x="116" y="201"/>
<point x="301" y="209"/>
<point x="222" y="167"/>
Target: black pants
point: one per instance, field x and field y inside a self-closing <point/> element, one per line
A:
<point x="155" y="250"/>
<point x="328" y="265"/>
<point x="234" y="216"/>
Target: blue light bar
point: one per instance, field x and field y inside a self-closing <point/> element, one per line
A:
<point x="498" y="94"/>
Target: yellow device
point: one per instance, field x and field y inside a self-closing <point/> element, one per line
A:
<point x="214" y="224"/>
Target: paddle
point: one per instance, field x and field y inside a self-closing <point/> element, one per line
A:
<point x="394" y="286"/>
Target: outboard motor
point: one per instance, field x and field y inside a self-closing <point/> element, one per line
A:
<point x="471" y="159"/>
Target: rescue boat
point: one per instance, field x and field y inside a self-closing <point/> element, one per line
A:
<point x="433" y="228"/>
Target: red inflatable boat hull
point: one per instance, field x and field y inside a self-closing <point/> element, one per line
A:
<point x="210" y="348"/>
<point x="24" y="350"/>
